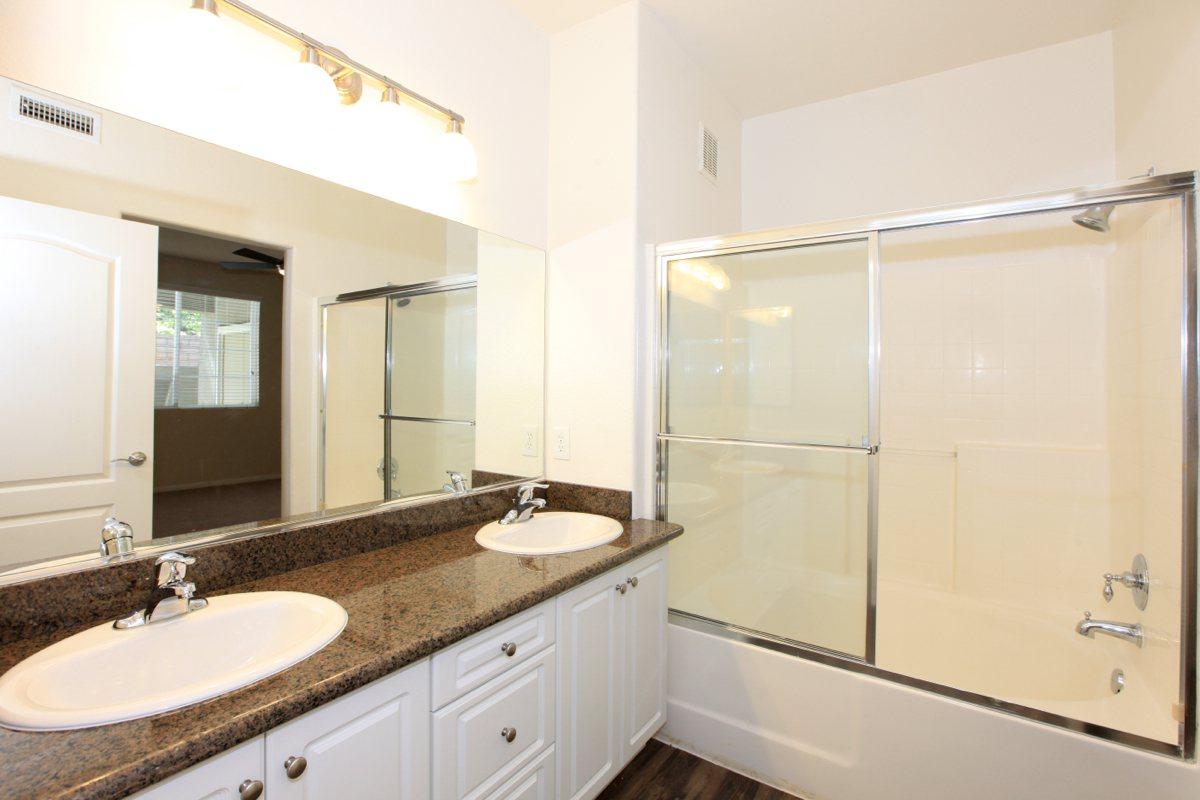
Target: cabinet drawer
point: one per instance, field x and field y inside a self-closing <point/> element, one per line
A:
<point x="471" y="755"/>
<point x="479" y="658"/>
<point x="534" y="782"/>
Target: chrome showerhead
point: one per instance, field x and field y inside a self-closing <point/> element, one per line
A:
<point x="1094" y="218"/>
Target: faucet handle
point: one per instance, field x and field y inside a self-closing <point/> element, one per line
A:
<point x="525" y="491"/>
<point x="172" y="567"/>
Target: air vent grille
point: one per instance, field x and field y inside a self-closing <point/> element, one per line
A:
<point x="708" y="151"/>
<point x="41" y="111"/>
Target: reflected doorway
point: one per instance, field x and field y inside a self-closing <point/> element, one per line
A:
<point x="218" y="368"/>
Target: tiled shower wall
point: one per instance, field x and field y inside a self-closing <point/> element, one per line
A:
<point x="1030" y="403"/>
<point x="993" y="407"/>
<point x="1146" y="438"/>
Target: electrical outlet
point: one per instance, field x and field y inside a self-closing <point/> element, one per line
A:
<point x="529" y="438"/>
<point x="562" y="443"/>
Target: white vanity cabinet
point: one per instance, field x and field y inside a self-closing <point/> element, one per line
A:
<point x="232" y="775"/>
<point x="372" y="744"/>
<point x="550" y="703"/>
<point x="612" y="672"/>
<point x="494" y="707"/>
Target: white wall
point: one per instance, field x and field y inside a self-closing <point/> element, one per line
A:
<point x="1156" y="54"/>
<point x="1038" y="120"/>
<point x="675" y="200"/>
<point x="480" y="57"/>
<point x="626" y="103"/>
<point x="590" y="285"/>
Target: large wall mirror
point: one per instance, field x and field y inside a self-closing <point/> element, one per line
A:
<point x="198" y="343"/>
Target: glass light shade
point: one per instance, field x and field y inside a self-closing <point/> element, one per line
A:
<point x="310" y="81"/>
<point x="458" y="156"/>
<point x="203" y="33"/>
<point x="203" y="16"/>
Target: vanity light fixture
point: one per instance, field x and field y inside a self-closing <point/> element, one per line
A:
<point x="347" y="77"/>
<point x="312" y="80"/>
<point x="458" y="153"/>
<point x="207" y="6"/>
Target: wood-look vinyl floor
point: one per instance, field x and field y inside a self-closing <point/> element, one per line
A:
<point x="662" y="772"/>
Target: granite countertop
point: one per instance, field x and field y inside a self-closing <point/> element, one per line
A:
<point x="404" y="603"/>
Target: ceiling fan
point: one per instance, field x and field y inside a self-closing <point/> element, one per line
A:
<point x="261" y="261"/>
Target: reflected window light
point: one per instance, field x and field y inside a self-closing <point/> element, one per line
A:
<point x="767" y="315"/>
<point x="712" y="276"/>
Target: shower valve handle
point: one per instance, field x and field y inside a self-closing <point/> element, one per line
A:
<point x="1131" y="579"/>
<point x="1136" y="578"/>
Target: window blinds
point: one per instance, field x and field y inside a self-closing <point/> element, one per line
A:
<point x="206" y="351"/>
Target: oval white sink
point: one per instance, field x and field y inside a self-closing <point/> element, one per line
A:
<point x="103" y="675"/>
<point x="549" y="532"/>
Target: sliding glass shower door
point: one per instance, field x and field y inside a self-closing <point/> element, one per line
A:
<point x="767" y="436"/>
<point x="430" y="393"/>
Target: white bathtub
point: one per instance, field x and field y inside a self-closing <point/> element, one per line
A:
<point x="1031" y="658"/>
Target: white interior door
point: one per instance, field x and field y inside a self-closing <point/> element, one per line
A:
<point x="77" y="356"/>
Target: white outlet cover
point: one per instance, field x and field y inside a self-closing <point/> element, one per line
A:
<point x="562" y="443"/>
<point x="529" y="440"/>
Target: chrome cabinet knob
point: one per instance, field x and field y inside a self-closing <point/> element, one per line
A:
<point x="509" y="649"/>
<point x="509" y="734"/>
<point x="135" y="459"/>
<point x="622" y="588"/>
<point x="632" y="581"/>
<point x="295" y="766"/>
<point x="250" y="790"/>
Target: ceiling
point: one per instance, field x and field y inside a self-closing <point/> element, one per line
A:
<point x="768" y="55"/>
<point x="200" y="247"/>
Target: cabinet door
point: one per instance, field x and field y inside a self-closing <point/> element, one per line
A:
<point x="591" y="658"/>
<point x="218" y="778"/>
<point x="372" y="744"/>
<point x="645" y="650"/>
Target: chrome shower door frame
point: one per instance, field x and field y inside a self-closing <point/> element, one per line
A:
<point x="449" y="283"/>
<point x="1181" y="186"/>
<point x="870" y="450"/>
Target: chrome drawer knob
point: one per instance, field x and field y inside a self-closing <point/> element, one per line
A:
<point x="295" y="766"/>
<point x="622" y="588"/>
<point x="509" y="649"/>
<point x="509" y="734"/>
<point x="632" y="581"/>
<point x="250" y="790"/>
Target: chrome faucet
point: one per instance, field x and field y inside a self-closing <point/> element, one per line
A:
<point x="457" y="484"/>
<point x="170" y="583"/>
<point x="116" y="537"/>
<point x="525" y="504"/>
<point x="1090" y="627"/>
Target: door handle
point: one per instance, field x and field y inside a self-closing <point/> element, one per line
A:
<point x="135" y="459"/>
